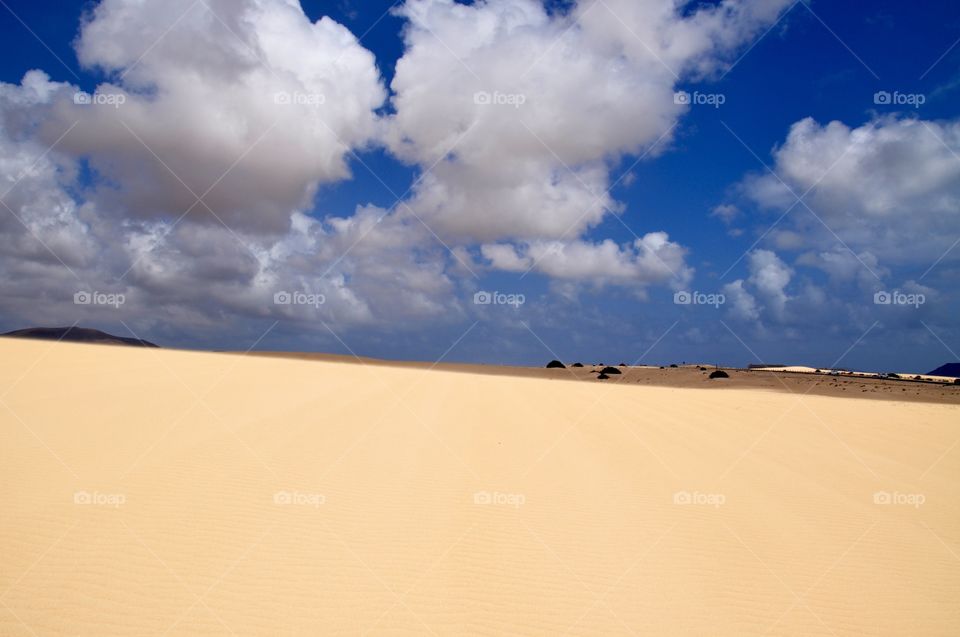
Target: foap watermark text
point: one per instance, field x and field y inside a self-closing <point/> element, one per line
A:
<point x="298" y="298"/>
<point x="115" y="100"/>
<point x="699" y="298"/>
<point x="895" y="498"/>
<point x="495" y="498"/>
<point x="95" y="498"/>
<point x="99" y="298"/>
<point x="896" y="98"/>
<point x="496" y="98"/>
<point x="296" y="498"/>
<point x="899" y="298"/>
<point x="498" y="298"/>
<point x="299" y="99"/>
<point x="696" y="498"/>
<point x="697" y="98"/>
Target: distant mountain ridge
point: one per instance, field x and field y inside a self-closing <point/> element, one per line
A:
<point x="950" y="369"/>
<point x="77" y="335"/>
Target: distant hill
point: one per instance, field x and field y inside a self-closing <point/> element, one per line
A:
<point x="950" y="369"/>
<point x="77" y="335"/>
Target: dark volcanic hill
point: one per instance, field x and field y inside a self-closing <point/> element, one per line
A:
<point x="77" y="335"/>
<point x="950" y="369"/>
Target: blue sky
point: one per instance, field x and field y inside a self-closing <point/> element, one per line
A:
<point x="800" y="304"/>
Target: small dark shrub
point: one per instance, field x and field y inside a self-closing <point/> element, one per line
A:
<point x="577" y="365"/>
<point x="719" y="374"/>
<point x="556" y="365"/>
<point x="602" y="377"/>
<point x="610" y="370"/>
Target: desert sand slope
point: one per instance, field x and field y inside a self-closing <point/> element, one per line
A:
<point x="151" y="492"/>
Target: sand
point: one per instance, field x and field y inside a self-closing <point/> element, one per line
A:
<point x="800" y="369"/>
<point x="870" y="386"/>
<point x="153" y="492"/>
<point x="796" y="369"/>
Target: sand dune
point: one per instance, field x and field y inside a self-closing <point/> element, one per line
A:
<point x="799" y="369"/>
<point x="151" y="492"/>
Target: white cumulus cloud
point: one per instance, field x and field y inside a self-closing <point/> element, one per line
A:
<point x="887" y="191"/>
<point x="517" y="115"/>
<point x="246" y="103"/>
